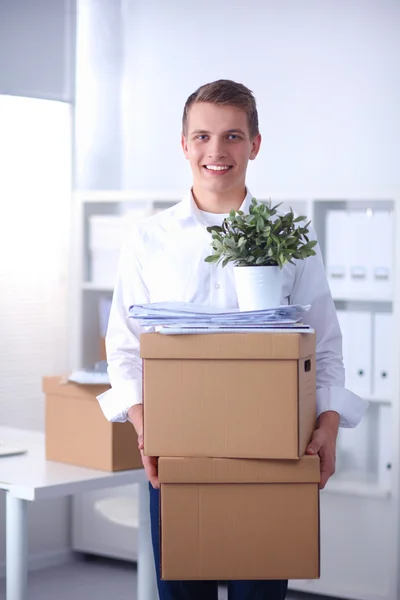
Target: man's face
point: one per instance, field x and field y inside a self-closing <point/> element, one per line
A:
<point x="218" y="146"/>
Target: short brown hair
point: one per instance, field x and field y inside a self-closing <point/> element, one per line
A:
<point x="228" y="93"/>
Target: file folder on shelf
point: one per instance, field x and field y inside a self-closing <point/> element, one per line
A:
<point x="359" y="250"/>
<point x="383" y="332"/>
<point x="385" y="436"/>
<point x="381" y="254"/>
<point x="356" y="329"/>
<point x="336" y="259"/>
<point x="359" y="253"/>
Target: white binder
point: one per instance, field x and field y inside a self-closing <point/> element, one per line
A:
<point x="336" y="252"/>
<point x="382" y="373"/>
<point x="357" y="351"/>
<point x="359" y="254"/>
<point x="354" y="451"/>
<point x="385" y="436"/>
<point x="381" y="254"/>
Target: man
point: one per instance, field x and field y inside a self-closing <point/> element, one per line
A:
<point x="163" y="260"/>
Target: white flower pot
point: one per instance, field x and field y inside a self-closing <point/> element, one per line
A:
<point x="258" y="287"/>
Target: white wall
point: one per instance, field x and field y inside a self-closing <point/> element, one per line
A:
<point x="326" y="76"/>
<point x="97" y="99"/>
<point x="35" y="196"/>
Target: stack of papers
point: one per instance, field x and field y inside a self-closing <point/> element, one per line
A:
<point x="95" y="375"/>
<point x="181" y="317"/>
<point x="10" y="450"/>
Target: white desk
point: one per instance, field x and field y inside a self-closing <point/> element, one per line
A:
<point x="30" y="477"/>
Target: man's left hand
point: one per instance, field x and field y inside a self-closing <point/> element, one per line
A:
<point x="324" y="443"/>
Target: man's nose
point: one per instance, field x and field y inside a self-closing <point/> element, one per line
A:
<point x="216" y="150"/>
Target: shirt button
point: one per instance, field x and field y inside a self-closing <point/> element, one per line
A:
<point x="217" y="286"/>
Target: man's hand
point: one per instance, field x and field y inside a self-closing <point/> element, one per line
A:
<point x="324" y="443"/>
<point x="150" y="463"/>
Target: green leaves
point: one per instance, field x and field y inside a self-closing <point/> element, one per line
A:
<point x="261" y="237"/>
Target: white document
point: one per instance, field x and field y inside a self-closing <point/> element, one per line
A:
<point x="337" y="258"/>
<point x="10" y="450"/>
<point x="383" y="373"/>
<point x="89" y="377"/>
<point x="381" y="254"/>
<point x="358" y="343"/>
<point x="196" y="330"/>
<point x="187" y="314"/>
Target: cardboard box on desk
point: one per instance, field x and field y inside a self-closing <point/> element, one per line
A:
<point x="78" y="433"/>
<point x="245" y="395"/>
<point x="225" y="519"/>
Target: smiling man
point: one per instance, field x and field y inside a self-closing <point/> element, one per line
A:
<point x="163" y="260"/>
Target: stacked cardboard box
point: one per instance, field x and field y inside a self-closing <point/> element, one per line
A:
<point x="230" y="416"/>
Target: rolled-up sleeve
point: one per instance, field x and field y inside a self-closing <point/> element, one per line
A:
<point x="311" y="287"/>
<point x="123" y="334"/>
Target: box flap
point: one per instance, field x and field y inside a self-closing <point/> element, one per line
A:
<point x="228" y="346"/>
<point x="232" y="470"/>
<point x="62" y="387"/>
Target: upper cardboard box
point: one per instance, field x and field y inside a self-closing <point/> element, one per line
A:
<point x="228" y="346"/>
<point x="246" y="395"/>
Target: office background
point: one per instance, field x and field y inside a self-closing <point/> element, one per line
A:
<point x="109" y="79"/>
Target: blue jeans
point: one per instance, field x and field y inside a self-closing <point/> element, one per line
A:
<point x="207" y="590"/>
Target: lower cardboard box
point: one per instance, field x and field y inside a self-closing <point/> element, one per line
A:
<point x="76" y="431"/>
<point x="226" y="519"/>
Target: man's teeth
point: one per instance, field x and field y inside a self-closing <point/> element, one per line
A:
<point x="215" y="168"/>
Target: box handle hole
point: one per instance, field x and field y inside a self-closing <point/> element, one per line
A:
<point x="307" y="365"/>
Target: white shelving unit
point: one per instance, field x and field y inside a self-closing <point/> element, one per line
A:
<point x="360" y="506"/>
<point x="99" y="517"/>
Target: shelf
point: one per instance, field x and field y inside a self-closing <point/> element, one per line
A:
<point x="167" y="196"/>
<point x="356" y="488"/>
<point x="365" y="298"/>
<point x="97" y="287"/>
<point x="377" y="400"/>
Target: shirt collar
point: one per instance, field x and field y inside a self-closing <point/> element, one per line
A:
<point x="187" y="208"/>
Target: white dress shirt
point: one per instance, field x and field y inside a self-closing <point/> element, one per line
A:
<point x="162" y="259"/>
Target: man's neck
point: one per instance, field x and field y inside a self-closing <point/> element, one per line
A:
<point x="219" y="203"/>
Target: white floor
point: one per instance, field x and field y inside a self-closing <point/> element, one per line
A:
<point x="97" y="578"/>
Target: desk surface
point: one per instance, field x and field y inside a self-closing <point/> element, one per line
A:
<point x="30" y="476"/>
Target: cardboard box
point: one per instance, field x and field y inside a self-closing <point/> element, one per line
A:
<point x="245" y="395"/>
<point x="225" y="519"/>
<point x="77" y="432"/>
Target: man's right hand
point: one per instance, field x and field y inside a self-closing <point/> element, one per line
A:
<point x="150" y="463"/>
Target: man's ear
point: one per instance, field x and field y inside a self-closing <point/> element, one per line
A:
<point x="184" y="147"/>
<point x="256" y="143"/>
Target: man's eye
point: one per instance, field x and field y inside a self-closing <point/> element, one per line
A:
<point x="233" y="137"/>
<point x="202" y="137"/>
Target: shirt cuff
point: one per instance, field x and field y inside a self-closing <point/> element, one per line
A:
<point x="116" y="401"/>
<point x="350" y="407"/>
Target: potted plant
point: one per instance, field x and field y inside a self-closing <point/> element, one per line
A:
<point x="259" y="244"/>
